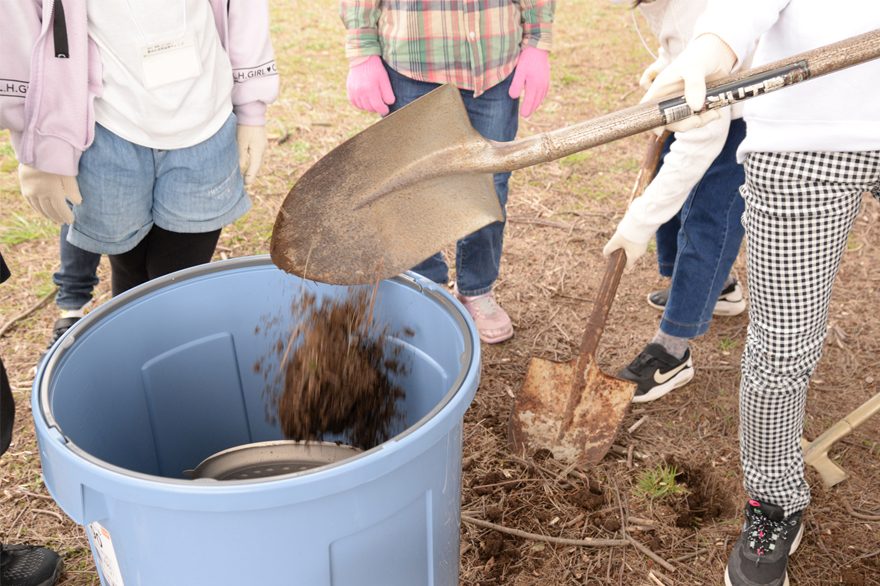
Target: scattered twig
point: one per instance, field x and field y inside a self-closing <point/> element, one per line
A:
<point x="622" y="531"/>
<point x="620" y="508"/>
<point x="850" y="510"/>
<point x="637" y="424"/>
<point x="658" y="574"/>
<point x="651" y="554"/>
<point x="654" y="578"/>
<point x="566" y="472"/>
<point x="867" y="555"/>
<point x="46" y="512"/>
<point x="620" y="450"/>
<point x="514" y="481"/>
<point x="545" y="538"/>
<point x="43" y="301"/>
<point x="35" y="495"/>
<point x="688" y="556"/>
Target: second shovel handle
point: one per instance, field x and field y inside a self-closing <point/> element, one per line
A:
<point x="616" y="262"/>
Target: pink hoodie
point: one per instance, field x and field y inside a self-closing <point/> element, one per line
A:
<point x="46" y="101"/>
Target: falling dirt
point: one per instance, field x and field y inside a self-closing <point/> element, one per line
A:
<point x="337" y="373"/>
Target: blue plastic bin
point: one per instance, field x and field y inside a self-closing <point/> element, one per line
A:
<point x="162" y="377"/>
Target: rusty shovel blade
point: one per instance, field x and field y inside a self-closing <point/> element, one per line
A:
<point x="541" y="405"/>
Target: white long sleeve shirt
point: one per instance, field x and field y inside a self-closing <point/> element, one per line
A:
<point x="692" y="153"/>
<point x="836" y="112"/>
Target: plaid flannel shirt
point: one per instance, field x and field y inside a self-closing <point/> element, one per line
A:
<point x="473" y="44"/>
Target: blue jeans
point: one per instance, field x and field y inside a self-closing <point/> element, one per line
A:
<point x="495" y="115"/>
<point x="77" y="276"/>
<point x="698" y="246"/>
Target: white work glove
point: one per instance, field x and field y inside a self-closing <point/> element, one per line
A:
<point x="706" y="58"/>
<point x="653" y="71"/>
<point x="252" y="145"/>
<point x="633" y="250"/>
<point x="45" y="193"/>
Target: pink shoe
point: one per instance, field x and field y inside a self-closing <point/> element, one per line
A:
<point x="493" y="323"/>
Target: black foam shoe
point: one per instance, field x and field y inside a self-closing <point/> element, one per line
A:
<point x="29" y="565"/>
<point x="760" y="556"/>
<point x="656" y="372"/>
<point x="730" y="302"/>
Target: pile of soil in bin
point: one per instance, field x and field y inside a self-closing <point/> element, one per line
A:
<point x="337" y="370"/>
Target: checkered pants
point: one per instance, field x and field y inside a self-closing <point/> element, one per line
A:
<point x="800" y="208"/>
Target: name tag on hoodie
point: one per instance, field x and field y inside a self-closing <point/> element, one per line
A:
<point x="170" y="61"/>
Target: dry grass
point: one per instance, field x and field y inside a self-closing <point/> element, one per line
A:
<point x="561" y="215"/>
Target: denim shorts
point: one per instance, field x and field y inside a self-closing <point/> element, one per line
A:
<point x="126" y="188"/>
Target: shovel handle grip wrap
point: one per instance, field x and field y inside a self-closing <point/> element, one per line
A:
<point x="628" y="122"/>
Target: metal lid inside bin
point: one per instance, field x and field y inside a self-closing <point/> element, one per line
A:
<point x="275" y="458"/>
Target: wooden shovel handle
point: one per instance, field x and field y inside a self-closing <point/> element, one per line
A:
<point x="549" y="146"/>
<point x="616" y="263"/>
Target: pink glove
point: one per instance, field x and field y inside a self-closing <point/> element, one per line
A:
<point x="533" y="72"/>
<point x="369" y="87"/>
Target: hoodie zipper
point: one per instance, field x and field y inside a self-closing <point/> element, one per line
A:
<point x="59" y="32"/>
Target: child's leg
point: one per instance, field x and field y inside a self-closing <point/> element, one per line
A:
<point x="162" y="252"/>
<point x="708" y="242"/>
<point x="174" y="251"/>
<point x="799" y="211"/>
<point x="129" y="269"/>
<point x="77" y="276"/>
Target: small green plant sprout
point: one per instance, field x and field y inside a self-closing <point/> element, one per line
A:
<point x="853" y="243"/>
<point x="726" y="344"/>
<point x="658" y="483"/>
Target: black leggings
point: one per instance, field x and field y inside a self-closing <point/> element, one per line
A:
<point x="161" y="252"/>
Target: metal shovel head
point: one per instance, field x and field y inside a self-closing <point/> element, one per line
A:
<point x="385" y="200"/>
<point x="574" y="422"/>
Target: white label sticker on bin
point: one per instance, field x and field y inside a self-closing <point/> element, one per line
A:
<point x="105" y="554"/>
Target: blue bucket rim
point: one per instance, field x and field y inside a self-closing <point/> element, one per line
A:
<point x="68" y="339"/>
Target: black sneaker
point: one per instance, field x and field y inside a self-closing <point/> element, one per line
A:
<point x="657" y="372"/>
<point x="29" y="565"/>
<point x="760" y="555"/>
<point x="730" y="302"/>
<point x="62" y="324"/>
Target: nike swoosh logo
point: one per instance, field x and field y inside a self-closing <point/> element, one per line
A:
<point x="662" y="378"/>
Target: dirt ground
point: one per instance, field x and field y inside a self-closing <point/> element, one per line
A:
<point x="561" y="214"/>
